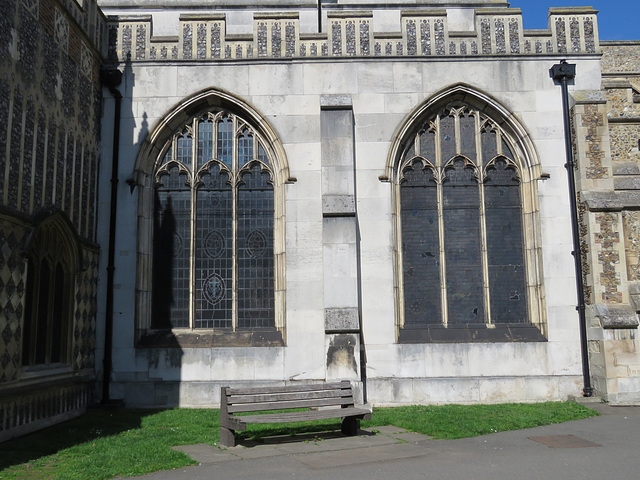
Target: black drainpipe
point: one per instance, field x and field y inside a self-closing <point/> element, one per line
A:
<point x="111" y="78"/>
<point x="562" y="73"/>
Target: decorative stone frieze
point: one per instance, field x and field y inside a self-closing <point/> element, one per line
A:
<point x="593" y="119"/>
<point x="498" y="31"/>
<point x="585" y="248"/>
<point x="631" y="222"/>
<point x="607" y="241"/>
<point x="590" y="141"/>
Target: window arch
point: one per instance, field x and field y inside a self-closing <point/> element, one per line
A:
<point x="214" y="236"/>
<point x="465" y="268"/>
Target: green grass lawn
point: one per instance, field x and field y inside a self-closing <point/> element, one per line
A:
<point x="107" y="443"/>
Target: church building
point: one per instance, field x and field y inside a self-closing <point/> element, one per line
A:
<point x="198" y="195"/>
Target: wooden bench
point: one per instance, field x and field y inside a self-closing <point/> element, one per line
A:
<point x="325" y="400"/>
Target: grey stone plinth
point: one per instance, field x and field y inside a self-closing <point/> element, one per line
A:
<point x="618" y="316"/>
<point x="338" y="205"/>
<point x="341" y="320"/>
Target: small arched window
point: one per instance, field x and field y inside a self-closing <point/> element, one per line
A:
<point x="462" y="248"/>
<point x="48" y="319"/>
<point x="213" y="240"/>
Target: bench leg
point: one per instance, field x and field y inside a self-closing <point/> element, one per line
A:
<point x="227" y="437"/>
<point x="350" y="426"/>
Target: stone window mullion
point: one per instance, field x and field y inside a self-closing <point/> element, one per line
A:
<point x="192" y="224"/>
<point x="441" y="229"/>
<point x="234" y="225"/>
<point x="483" y="224"/>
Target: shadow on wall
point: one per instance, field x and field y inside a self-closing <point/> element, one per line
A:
<point x="164" y="244"/>
<point x="158" y="350"/>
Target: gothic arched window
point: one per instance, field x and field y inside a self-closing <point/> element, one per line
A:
<point x="462" y="249"/>
<point x="48" y="320"/>
<point x="213" y="240"/>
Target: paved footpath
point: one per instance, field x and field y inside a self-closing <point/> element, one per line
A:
<point x="605" y="447"/>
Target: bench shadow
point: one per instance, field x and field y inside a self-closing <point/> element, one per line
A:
<point x="283" y="436"/>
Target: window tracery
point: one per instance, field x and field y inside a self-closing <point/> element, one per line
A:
<point x="213" y="241"/>
<point x="462" y="252"/>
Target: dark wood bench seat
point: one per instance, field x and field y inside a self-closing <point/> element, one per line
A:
<point x="325" y="400"/>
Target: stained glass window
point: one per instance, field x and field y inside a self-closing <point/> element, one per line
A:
<point x="213" y="255"/>
<point x="462" y="245"/>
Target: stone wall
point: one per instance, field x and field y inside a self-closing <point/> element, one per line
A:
<point x="379" y="96"/>
<point x="610" y="221"/>
<point x="50" y="117"/>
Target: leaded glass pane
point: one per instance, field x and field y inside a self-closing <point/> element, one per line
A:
<point x="262" y="155"/>
<point x="462" y="245"/>
<point x="205" y="142"/>
<point x="214" y="252"/>
<point x="447" y="138"/>
<point x="489" y="146"/>
<point x="225" y="141"/>
<point x="171" y="251"/>
<point x="245" y="148"/>
<point x="420" y="247"/>
<point x="428" y="145"/>
<point x="409" y="152"/>
<point x="184" y="150"/>
<point x="173" y="179"/>
<point x="468" y="137"/>
<point x="505" y="245"/>
<point x="506" y="150"/>
<point x="255" y="251"/>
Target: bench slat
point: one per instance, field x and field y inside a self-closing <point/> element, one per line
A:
<point x="304" y="416"/>
<point x="274" y="397"/>
<point x="280" y="405"/>
<point x="289" y="388"/>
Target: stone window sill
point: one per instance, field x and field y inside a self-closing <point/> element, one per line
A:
<point x="209" y="338"/>
<point x="501" y="333"/>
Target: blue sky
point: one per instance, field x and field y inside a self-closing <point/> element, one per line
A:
<point x="618" y="19"/>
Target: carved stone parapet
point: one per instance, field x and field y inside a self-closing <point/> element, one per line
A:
<point x="423" y="33"/>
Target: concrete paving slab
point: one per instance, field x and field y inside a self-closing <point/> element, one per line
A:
<point x="363" y="455"/>
<point x="410" y="437"/>
<point x="203" y="453"/>
<point x="293" y="445"/>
